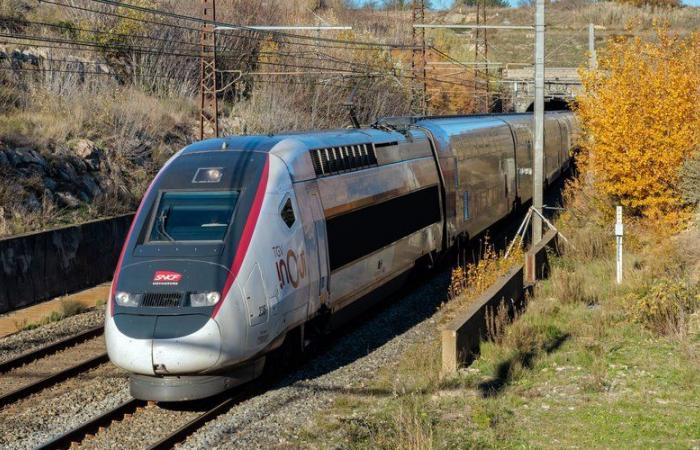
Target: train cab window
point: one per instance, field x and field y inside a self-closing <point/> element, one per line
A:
<point x="287" y="213"/>
<point x="193" y="216"/>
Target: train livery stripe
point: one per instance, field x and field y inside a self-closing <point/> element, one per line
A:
<point x="247" y="235"/>
<point x="115" y="278"/>
<point x="380" y="225"/>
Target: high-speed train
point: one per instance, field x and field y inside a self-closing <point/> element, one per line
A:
<point x="242" y="241"/>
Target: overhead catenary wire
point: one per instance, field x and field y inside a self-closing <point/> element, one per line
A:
<point x="348" y="45"/>
<point x="253" y="36"/>
<point x="154" y="11"/>
<point x="145" y="50"/>
<point x="316" y="39"/>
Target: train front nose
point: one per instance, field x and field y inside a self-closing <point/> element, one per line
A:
<point x="162" y="317"/>
<point x="163" y="344"/>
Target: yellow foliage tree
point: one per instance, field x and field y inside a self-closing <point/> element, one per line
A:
<point x="639" y="111"/>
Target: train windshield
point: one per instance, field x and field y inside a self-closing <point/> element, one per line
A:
<point x="193" y="216"/>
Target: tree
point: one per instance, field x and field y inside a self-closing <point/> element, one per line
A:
<point x="640" y="114"/>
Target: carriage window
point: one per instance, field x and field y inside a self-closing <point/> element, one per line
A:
<point x="287" y="213"/>
<point x="193" y="216"/>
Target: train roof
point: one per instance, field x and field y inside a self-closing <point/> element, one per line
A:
<point x="293" y="147"/>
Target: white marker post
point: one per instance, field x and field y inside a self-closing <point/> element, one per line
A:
<point x="618" y="237"/>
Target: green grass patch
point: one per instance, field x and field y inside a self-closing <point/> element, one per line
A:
<point x="576" y="369"/>
<point x="68" y="308"/>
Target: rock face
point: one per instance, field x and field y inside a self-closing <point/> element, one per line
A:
<point x="66" y="178"/>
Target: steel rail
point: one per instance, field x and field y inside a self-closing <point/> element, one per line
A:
<point x="79" y="433"/>
<point x="50" y="380"/>
<point x="195" y="424"/>
<point x="50" y="348"/>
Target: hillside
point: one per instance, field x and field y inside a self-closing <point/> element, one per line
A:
<point x="94" y="98"/>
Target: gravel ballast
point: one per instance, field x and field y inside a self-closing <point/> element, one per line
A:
<point x="272" y="419"/>
<point x="23" y="341"/>
<point x="52" y="364"/>
<point x="62" y="407"/>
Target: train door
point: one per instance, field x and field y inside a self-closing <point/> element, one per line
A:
<point x="510" y="179"/>
<point x="316" y="243"/>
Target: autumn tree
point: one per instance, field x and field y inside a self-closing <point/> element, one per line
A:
<point x="639" y="111"/>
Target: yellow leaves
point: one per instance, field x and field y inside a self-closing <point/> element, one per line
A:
<point x="639" y="111"/>
<point x="468" y="281"/>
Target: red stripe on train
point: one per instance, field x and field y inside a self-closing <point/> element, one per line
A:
<point x="248" y="229"/>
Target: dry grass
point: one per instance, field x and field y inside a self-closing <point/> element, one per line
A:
<point x="136" y="133"/>
<point x="68" y="308"/>
<point x="469" y="280"/>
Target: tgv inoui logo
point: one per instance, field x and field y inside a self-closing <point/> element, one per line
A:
<point x="166" y="277"/>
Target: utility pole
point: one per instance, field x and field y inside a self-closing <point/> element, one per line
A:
<point x="538" y="163"/>
<point x="481" y="52"/>
<point x="419" y="95"/>
<point x="209" y="110"/>
<point x="592" y="59"/>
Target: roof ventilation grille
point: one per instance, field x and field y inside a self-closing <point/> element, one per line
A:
<point x="346" y="158"/>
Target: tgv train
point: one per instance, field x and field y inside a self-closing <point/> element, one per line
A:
<point x="242" y="241"/>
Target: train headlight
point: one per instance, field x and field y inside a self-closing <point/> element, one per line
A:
<point x="127" y="299"/>
<point x="204" y="298"/>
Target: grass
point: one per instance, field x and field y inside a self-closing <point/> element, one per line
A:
<point x="135" y="132"/>
<point x="579" y="368"/>
<point x="68" y="308"/>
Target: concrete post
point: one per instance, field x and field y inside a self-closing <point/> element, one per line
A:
<point x="538" y="163"/>
<point x="592" y="59"/>
<point x="618" y="240"/>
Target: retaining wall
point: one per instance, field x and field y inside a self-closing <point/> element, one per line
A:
<point x="40" y="266"/>
<point x="461" y="337"/>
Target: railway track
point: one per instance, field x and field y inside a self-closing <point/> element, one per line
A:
<point x="51" y="348"/>
<point x="96" y="432"/>
<point x="51" y="364"/>
<point x="36" y="366"/>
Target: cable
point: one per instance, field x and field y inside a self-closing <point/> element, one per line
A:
<point x="84" y="72"/>
<point x="155" y="11"/>
<point x="71" y="28"/>
<point x="197" y="30"/>
<point x="169" y="53"/>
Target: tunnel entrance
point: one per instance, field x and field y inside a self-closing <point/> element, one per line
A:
<point x="552" y="104"/>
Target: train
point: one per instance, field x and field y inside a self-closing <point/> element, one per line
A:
<point x="241" y="242"/>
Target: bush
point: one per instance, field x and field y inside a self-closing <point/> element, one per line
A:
<point x="663" y="305"/>
<point x="639" y="113"/>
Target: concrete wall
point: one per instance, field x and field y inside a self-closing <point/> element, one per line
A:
<point x="39" y="266"/>
<point x="461" y="337"/>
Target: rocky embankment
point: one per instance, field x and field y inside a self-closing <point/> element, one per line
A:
<point x="78" y="173"/>
<point x="41" y="183"/>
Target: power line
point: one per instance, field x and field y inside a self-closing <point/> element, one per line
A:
<point x="196" y="30"/>
<point x="89" y="30"/>
<point x="173" y="15"/>
<point x="145" y="50"/>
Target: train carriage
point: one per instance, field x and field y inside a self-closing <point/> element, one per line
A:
<point x="241" y="240"/>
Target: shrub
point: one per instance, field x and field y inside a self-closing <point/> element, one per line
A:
<point x="663" y="305"/>
<point x="472" y="279"/>
<point x="639" y="112"/>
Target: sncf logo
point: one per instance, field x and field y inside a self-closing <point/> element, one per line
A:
<point x="164" y="277"/>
